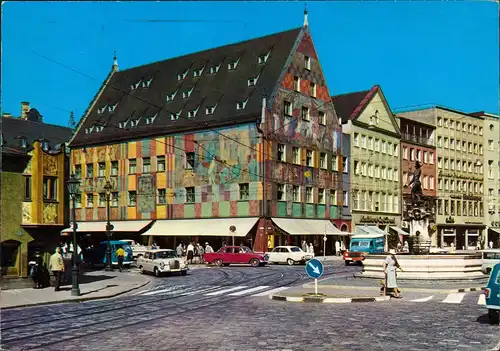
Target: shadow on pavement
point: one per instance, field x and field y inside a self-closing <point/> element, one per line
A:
<point x="96" y="290"/>
<point x="483" y="319"/>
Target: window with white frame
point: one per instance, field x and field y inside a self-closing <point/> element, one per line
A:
<point x="396" y="148"/>
<point x="309" y="195"/>
<point x="190" y="160"/>
<point x="426" y="182"/>
<point x="363" y="141"/>
<point x="370" y="143"/>
<point x="384" y="147"/>
<point x="307" y="63"/>
<point x="345" y="164"/>
<point x="389" y="174"/>
<point x="321" y="196"/>
<point x="244" y="191"/>
<point x="363" y="169"/>
<point x="102" y="200"/>
<point x="161" y="196"/>
<point x="377" y="145"/>
<point x="296" y="83"/>
<point x="132" y="198"/>
<point x="419" y="155"/>
<point x="357" y="167"/>
<point x="322" y="160"/>
<point x="440" y="162"/>
<point x="431" y="158"/>
<point x="281" y="152"/>
<point x="356" y="139"/>
<point x="335" y="163"/>
<point x="333" y="197"/>
<point x="90" y="199"/>
<point x="101" y="169"/>
<point x="90" y="170"/>
<point x="412" y="154"/>
<point x="383" y="172"/>
<point x="233" y="64"/>
<point x="146" y="165"/>
<point x="160" y="163"/>
<point x="132" y="166"/>
<point x="78" y="171"/>
<point x="78" y="200"/>
<point x="287" y="108"/>
<point x="313" y="89"/>
<point x="322" y="118"/>
<point x="345" y="198"/>
<point x="370" y="170"/>
<point x="377" y="171"/>
<point x="355" y="200"/>
<point x="190" y="195"/>
<point x="395" y="175"/>
<point x="241" y="105"/>
<point x="305" y="113"/>
<point x="296" y="193"/>
<point x="296" y="155"/>
<point x="405" y="177"/>
<point x="389" y="149"/>
<point x="280" y="192"/>
<point x="309" y="158"/>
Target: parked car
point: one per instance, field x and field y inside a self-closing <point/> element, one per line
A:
<point x="289" y="255"/>
<point x="138" y="250"/>
<point x="492" y="295"/>
<point x="162" y="261"/>
<point x="96" y="256"/>
<point x="236" y="255"/>
<point x="361" y="245"/>
<point x="490" y="258"/>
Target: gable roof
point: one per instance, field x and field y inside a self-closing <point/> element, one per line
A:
<point x="222" y="90"/>
<point x="346" y="104"/>
<point x="14" y="129"/>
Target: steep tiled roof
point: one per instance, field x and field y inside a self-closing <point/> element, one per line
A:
<point x="14" y="129"/>
<point x="346" y="104"/>
<point x="223" y="90"/>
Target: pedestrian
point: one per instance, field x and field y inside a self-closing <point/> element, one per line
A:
<point x="179" y="250"/>
<point x="311" y="249"/>
<point x="56" y="265"/>
<point x="200" y="250"/>
<point x="37" y="271"/>
<point x="304" y="245"/>
<point x="120" y="254"/>
<point x="490" y="244"/>
<point x="390" y="265"/>
<point x="208" y="248"/>
<point x="337" y="248"/>
<point x="406" y="246"/>
<point x="190" y="252"/>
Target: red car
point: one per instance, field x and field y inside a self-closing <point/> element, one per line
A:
<point x="236" y="255"/>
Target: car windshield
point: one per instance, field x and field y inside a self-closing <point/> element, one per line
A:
<point x="125" y="247"/>
<point x="360" y="243"/>
<point x="295" y="249"/>
<point x="243" y="249"/>
<point x="166" y="254"/>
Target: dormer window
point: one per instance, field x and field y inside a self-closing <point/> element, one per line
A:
<point x="112" y="108"/>
<point x="102" y="109"/>
<point x="252" y="81"/>
<point x="171" y="97"/>
<point x="192" y="114"/>
<point x="99" y="128"/>
<point x="89" y="130"/>
<point x="23" y="142"/>
<point x="198" y="72"/>
<point x="151" y="119"/>
<point x="45" y="145"/>
<point x="187" y="93"/>
<point x="147" y="83"/>
<point x="135" y="122"/>
<point x="135" y="86"/>
<point x="175" y="116"/>
<point x="241" y="105"/>
<point x="181" y="76"/>
<point x="215" y="69"/>
<point x="263" y="58"/>
<point x="210" y="110"/>
<point x="123" y="124"/>
<point x="232" y="65"/>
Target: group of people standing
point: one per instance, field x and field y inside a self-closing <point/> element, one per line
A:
<point x="193" y="251"/>
<point x="307" y="248"/>
<point x="40" y="274"/>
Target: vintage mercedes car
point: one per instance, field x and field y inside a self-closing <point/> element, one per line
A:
<point x="161" y="261"/>
<point x="289" y="255"/>
<point x="236" y="255"/>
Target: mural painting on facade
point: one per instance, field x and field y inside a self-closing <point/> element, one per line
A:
<point x="100" y="183"/>
<point x="49" y="165"/>
<point x="146" y="194"/>
<point x="27" y="212"/>
<point x="49" y="213"/>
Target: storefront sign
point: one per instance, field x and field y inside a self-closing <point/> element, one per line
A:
<point x="373" y="219"/>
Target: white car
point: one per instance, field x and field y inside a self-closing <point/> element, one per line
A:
<point x="289" y="254"/>
<point x="138" y="250"/>
<point x="162" y="261"/>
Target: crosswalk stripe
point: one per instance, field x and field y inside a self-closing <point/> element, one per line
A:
<point x="481" y="300"/>
<point x="423" y="299"/>
<point x="454" y="298"/>
<point x="269" y="292"/>
<point x="257" y="288"/>
<point x="220" y="292"/>
<point x="200" y="291"/>
<point x="154" y="292"/>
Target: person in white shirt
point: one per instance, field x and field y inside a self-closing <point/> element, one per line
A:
<point x="311" y="249"/>
<point x="337" y="248"/>
<point x="208" y="248"/>
<point x="190" y="252"/>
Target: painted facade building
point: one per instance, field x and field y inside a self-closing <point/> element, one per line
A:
<point x="375" y="186"/>
<point x="221" y="143"/>
<point x="460" y="179"/>
<point x="418" y="144"/>
<point x="34" y="165"/>
<point x="491" y="142"/>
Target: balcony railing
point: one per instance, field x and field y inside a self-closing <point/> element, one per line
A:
<point x="418" y="139"/>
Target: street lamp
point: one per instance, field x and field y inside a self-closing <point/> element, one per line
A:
<point x="109" y="227"/>
<point x="73" y="185"/>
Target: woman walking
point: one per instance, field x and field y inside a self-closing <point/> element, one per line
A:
<point x="390" y="266"/>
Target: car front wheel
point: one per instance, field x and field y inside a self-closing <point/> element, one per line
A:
<point x="493" y="317"/>
<point x="254" y="262"/>
<point x="290" y="262"/>
<point x="218" y="262"/>
<point x="157" y="272"/>
<point x="141" y="268"/>
<point x="346" y="263"/>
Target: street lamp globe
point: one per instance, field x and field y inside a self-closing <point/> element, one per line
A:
<point x="108" y="187"/>
<point x="73" y="185"/>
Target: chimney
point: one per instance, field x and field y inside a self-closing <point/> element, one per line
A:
<point x="25" y="107"/>
<point x="6" y="115"/>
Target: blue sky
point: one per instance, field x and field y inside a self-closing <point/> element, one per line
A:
<point x="420" y="53"/>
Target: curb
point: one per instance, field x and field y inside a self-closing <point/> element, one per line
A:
<point x="425" y="290"/>
<point x="82" y="299"/>
<point x="329" y="299"/>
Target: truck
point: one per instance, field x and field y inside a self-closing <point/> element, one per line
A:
<point x="361" y="245"/>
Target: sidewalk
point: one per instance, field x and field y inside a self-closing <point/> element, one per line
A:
<point x="415" y="286"/>
<point x="329" y="295"/>
<point x="93" y="285"/>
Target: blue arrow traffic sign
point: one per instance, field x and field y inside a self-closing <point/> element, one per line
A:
<point x="314" y="268"/>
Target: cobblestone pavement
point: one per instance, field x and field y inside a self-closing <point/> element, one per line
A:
<point x="210" y="321"/>
<point x="430" y="284"/>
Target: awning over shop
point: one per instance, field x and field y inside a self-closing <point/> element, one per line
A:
<point x="202" y="227"/>
<point x="399" y="231"/>
<point x="497" y="230"/>
<point x="307" y="226"/>
<point x="119" y="226"/>
<point x="369" y="229"/>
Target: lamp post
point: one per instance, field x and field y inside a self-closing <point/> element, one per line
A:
<point x="73" y="185"/>
<point x="109" y="227"/>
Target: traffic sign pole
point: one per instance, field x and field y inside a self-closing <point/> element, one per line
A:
<point x="316" y="286"/>
<point x="314" y="269"/>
